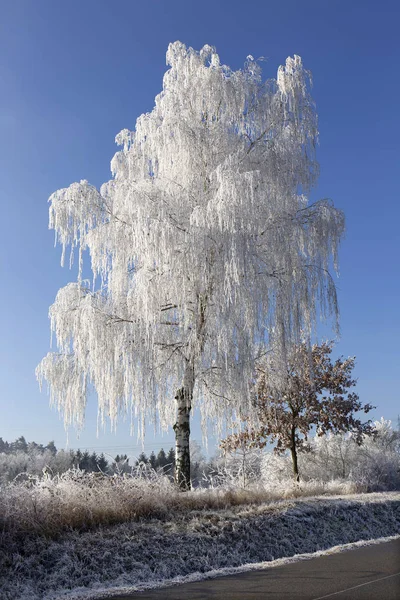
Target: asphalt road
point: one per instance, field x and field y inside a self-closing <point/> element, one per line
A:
<point x="367" y="573"/>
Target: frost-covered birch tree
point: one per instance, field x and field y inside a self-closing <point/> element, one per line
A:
<point x="202" y="246"/>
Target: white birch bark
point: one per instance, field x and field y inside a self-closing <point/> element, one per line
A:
<point x="183" y="399"/>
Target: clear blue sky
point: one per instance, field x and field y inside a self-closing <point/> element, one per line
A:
<point x="73" y="74"/>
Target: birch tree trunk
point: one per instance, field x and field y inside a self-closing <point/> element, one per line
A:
<point x="182" y="431"/>
<point x="184" y="397"/>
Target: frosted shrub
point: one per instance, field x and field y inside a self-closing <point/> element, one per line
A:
<point x="277" y="475"/>
<point x="276" y="468"/>
<point x="238" y="469"/>
<point x="331" y="457"/>
<point x="12" y="465"/>
<point x="373" y="465"/>
<point x="22" y="464"/>
<point x="377" y="461"/>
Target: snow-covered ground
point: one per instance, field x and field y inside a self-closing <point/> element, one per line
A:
<point x="192" y="545"/>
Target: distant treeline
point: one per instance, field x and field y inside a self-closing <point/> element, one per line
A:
<point x="161" y="461"/>
<point x="21" y="445"/>
<point x="21" y="456"/>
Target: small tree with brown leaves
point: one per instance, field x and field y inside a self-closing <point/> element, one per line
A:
<point x="314" y="393"/>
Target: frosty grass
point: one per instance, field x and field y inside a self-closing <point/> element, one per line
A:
<point x="193" y="545"/>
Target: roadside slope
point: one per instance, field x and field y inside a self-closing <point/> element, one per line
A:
<point x="350" y="572"/>
<point x="137" y="555"/>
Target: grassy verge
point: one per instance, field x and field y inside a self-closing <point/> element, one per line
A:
<point x="49" y="506"/>
<point x="151" y="551"/>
